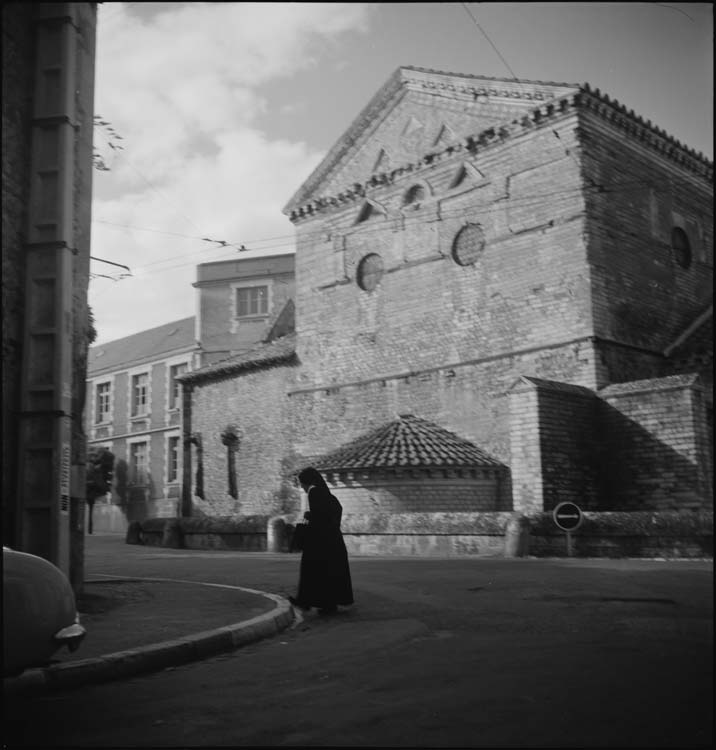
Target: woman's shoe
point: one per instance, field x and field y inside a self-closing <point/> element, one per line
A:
<point x="328" y="610"/>
<point x="298" y="604"/>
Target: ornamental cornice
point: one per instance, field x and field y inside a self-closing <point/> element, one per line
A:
<point x="472" y="144"/>
<point x="584" y="99"/>
<point x="460" y="86"/>
<point x="644" y="130"/>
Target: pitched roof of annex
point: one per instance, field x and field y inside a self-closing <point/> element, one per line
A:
<point x="281" y="351"/>
<point x="565" y="98"/>
<point x="695" y="342"/>
<point x="146" y="346"/>
<point x="406" y="442"/>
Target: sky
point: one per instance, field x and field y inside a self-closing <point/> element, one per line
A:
<point x="209" y="116"/>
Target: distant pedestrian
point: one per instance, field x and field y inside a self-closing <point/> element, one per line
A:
<point x="325" y="578"/>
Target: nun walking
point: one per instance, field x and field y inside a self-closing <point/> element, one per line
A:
<point x="324" y="578"/>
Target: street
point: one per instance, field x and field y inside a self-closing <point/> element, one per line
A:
<point x="486" y="652"/>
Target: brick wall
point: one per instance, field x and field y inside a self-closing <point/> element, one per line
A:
<point x="427" y="309"/>
<point x="642" y="297"/>
<point x="655" y="451"/>
<point x="423" y="491"/>
<point x="256" y="404"/>
<point x="469" y="400"/>
<point x="554" y="440"/>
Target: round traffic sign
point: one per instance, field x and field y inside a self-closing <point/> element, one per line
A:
<point x="567" y="516"/>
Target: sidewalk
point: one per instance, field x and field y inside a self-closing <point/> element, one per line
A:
<point x="139" y="625"/>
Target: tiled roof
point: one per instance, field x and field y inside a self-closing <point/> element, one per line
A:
<point x="265" y="354"/>
<point x="144" y="346"/>
<point x="650" y="384"/>
<point x="408" y="441"/>
<point x="527" y="381"/>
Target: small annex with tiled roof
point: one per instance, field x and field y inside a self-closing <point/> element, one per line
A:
<point x="413" y="465"/>
<point x="263" y="355"/>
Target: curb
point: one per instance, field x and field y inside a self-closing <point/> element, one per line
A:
<point x="158" y="656"/>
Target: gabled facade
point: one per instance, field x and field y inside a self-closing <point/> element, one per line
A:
<point x="467" y="233"/>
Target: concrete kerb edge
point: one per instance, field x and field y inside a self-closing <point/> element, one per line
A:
<point x="157" y="656"/>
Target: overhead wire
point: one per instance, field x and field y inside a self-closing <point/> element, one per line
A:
<point x="485" y="208"/>
<point x="476" y="211"/>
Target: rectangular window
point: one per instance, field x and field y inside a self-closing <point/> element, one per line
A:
<point x="138" y="463"/>
<point x="173" y="459"/>
<point x="140" y="394"/>
<point x="251" y="300"/>
<point x="175" y="385"/>
<point x="103" y="392"/>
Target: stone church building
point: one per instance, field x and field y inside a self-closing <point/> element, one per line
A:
<point x="503" y="301"/>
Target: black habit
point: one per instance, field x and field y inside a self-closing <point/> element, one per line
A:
<point x="325" y="578"/>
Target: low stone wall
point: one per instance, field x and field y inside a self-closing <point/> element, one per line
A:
<point x="244" y="533"/>
<point x="426" y="534"/>
<point x="681" y="534"/>
<point x="666" y="534"/>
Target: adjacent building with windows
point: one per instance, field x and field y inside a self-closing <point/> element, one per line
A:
<point x="241" y="302"/>
<point x="134" y="395"/>
<point x="134" y="409"/>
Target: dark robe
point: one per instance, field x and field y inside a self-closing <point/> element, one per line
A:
<point x="325" y="578"/>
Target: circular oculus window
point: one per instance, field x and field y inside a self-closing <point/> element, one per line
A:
<point x="681" y="247"/>
<point x="468" y="244"/>
<point x="370" y="272"/>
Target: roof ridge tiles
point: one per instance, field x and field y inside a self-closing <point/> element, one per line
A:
<point x="406" y="441"/>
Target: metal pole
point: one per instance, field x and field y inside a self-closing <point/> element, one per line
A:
<point x="569" y="544"/>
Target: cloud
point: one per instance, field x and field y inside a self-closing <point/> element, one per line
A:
<point x="182" y="85"/>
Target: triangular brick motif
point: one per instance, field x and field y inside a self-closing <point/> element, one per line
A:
<point x="369" y="210"/>
<point x="466" y="173"/>
<point x="412" y="126"/>
<point x="383" y="162"/>
<point x="444" y="137"/>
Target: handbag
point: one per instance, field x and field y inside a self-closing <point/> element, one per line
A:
<point x="298" y="539"/>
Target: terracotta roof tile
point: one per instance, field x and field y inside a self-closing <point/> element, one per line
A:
<point x="265" y="354"/>
<point x="408" y="441"/>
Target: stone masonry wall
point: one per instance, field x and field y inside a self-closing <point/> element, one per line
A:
<point x="17" y="88"/>
<point x="256" y="403"/>
<point x="529" y="285"/>
<point x="642" y="296"/>
<point x="569" y="446"/>
<point x="655" y="456"/>
<point x="448" y="492"/>
<point x="554" y="445"/>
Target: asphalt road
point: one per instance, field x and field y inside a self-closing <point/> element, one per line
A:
<point x="484" y="652"/>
